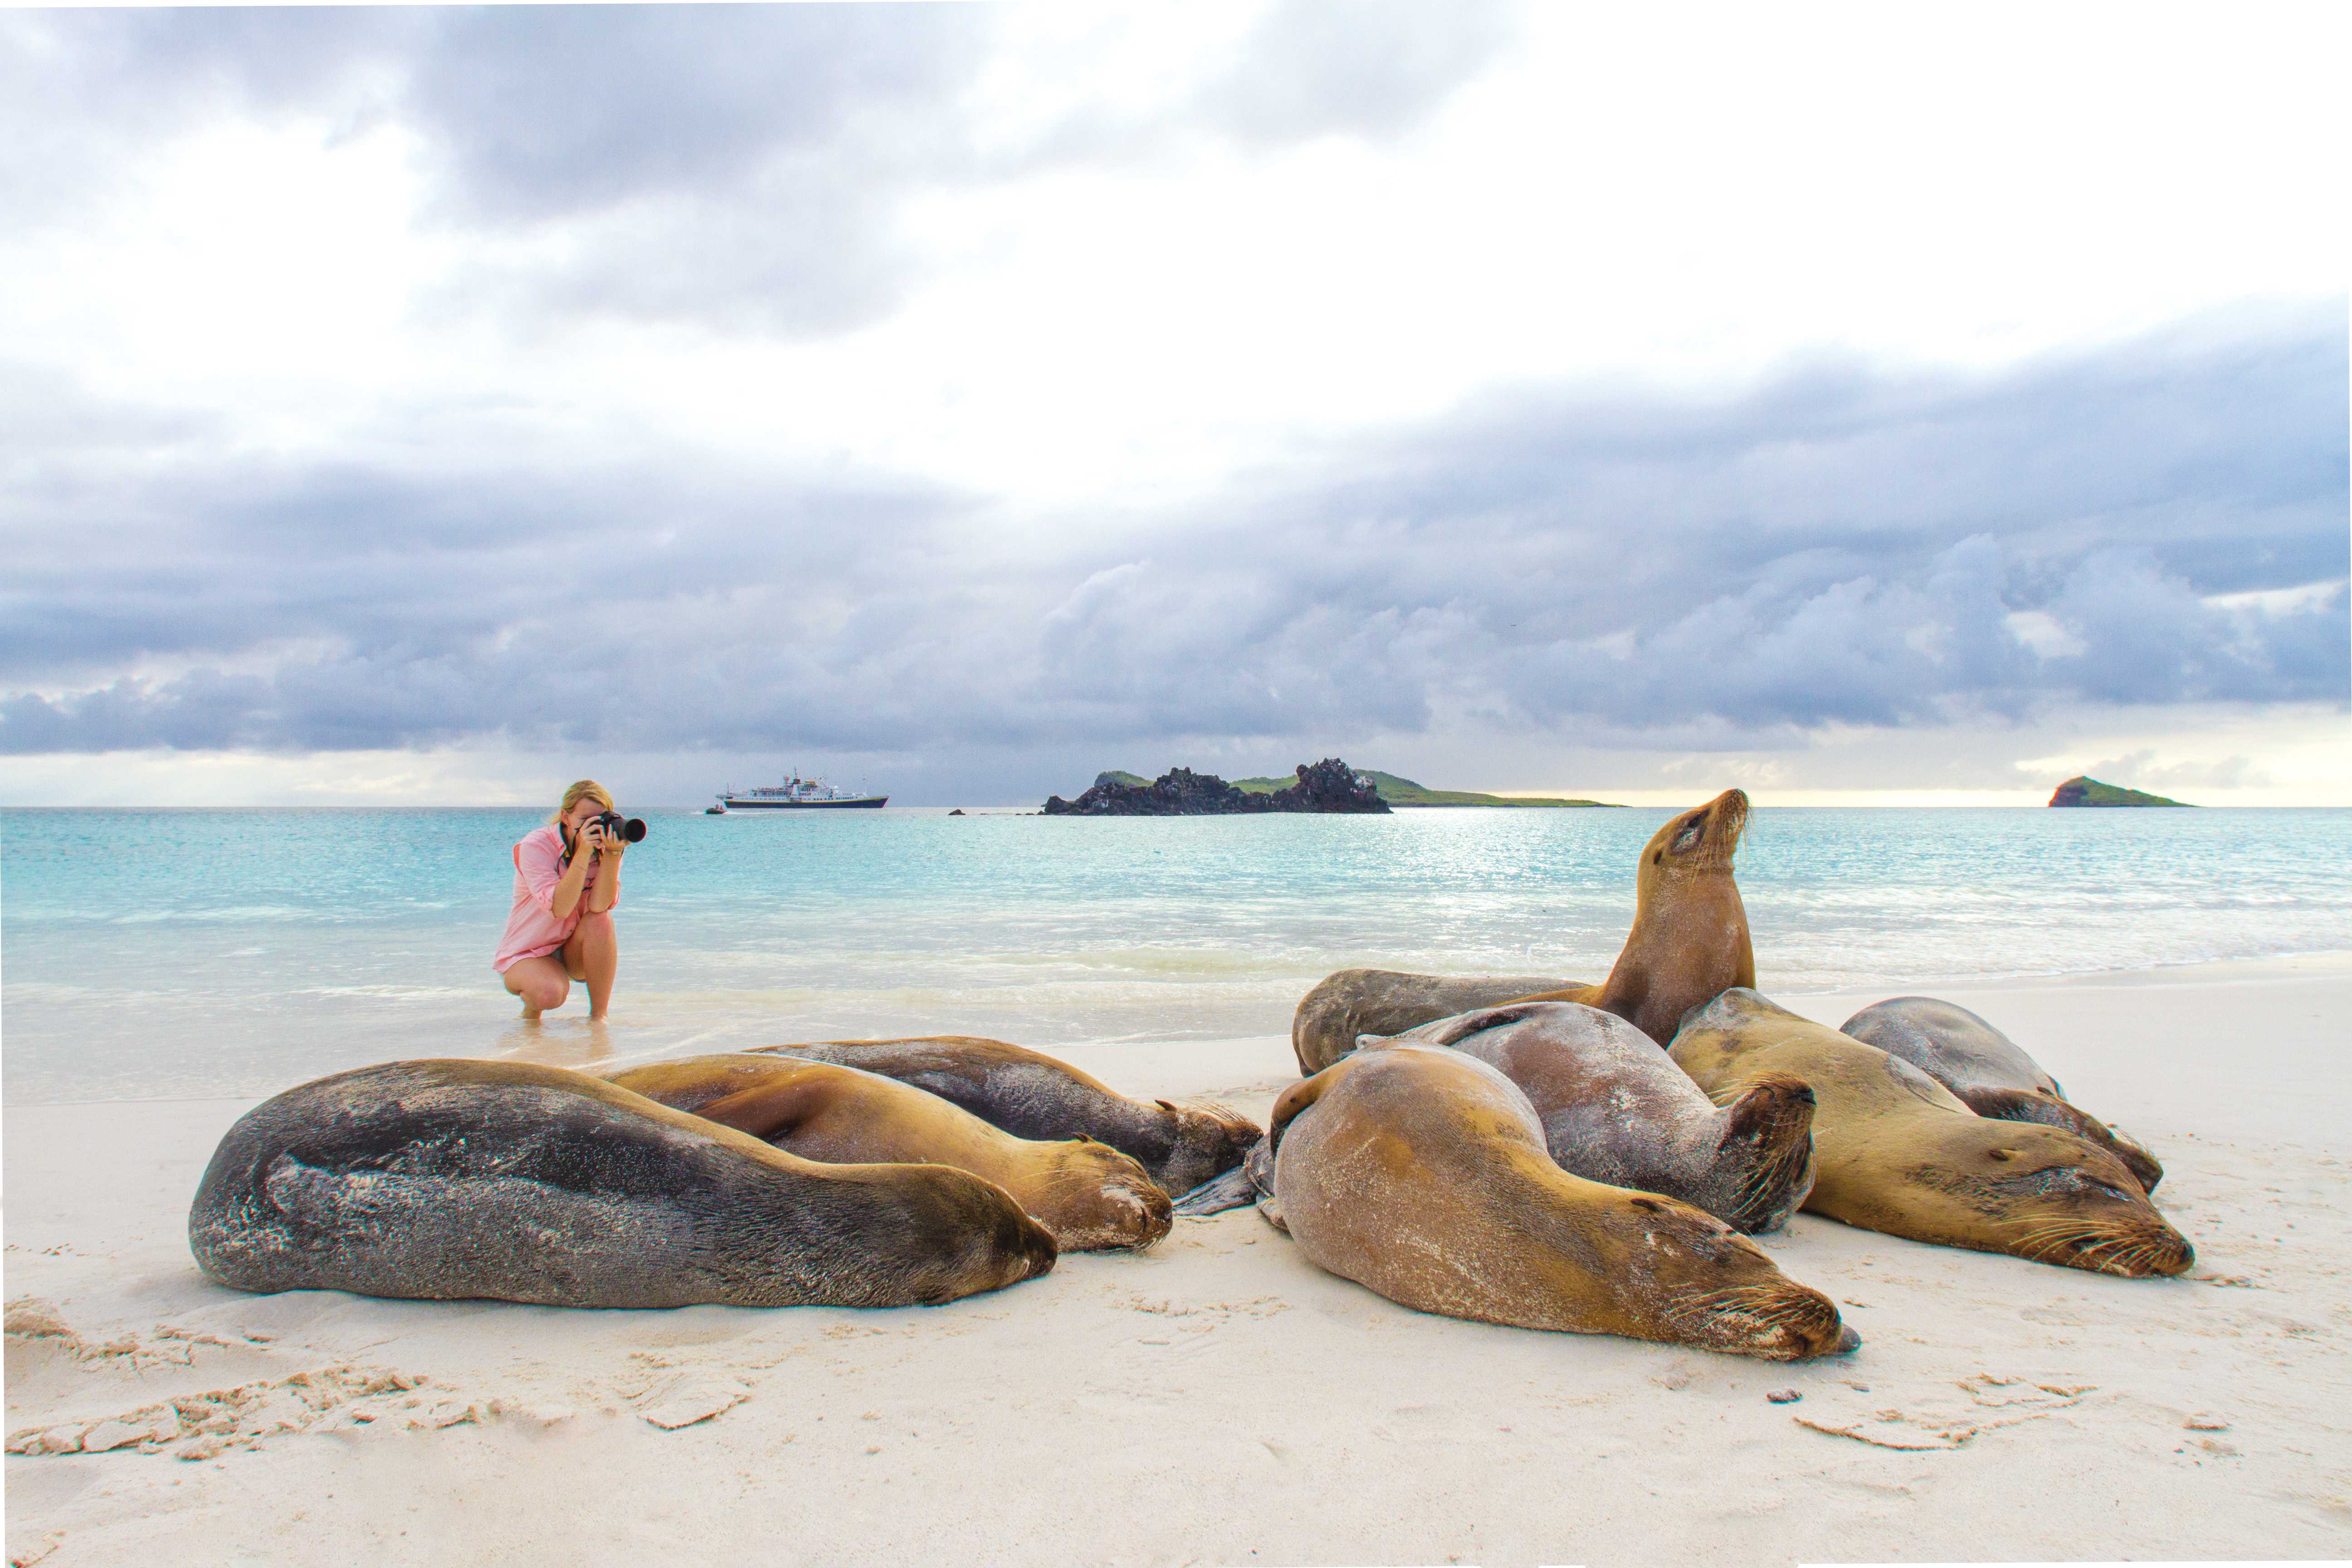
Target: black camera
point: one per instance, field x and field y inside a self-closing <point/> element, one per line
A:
<point x="616" y="826"/>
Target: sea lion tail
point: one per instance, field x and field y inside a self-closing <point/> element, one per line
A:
<point x="1768" y="1138"/>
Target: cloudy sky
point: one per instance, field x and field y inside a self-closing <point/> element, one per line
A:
<point x="1854" y="403"/>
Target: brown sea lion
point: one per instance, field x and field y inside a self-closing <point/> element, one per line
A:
<point x="1087" y="1195"/>
<point x="448" y="1180"/>
<point x="1030" y="1095"/>
<point x="1420" y="1172"/>
<point x="1616" y="1109"/>
<point x="1689" y="942"/>
<point x="1897" y="1152"/>
<point x="1990" y="1072"/>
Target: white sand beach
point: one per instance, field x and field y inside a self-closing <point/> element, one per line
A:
<point x="1221" y="1401"/>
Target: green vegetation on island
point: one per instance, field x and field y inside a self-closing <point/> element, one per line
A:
<point x="2082" y="791"/>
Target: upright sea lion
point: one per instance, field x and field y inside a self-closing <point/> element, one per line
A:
<point x="1031" y="1095"/>
<point x="1990" y="1072"/>
<point x="1689" y="942"/>
<point x="1421" y="1174"/>
<point x="446" y="1180"/>
<point x="1896" y="1151"/>
<point x="1087" y="1194"/>
<point x="1616" y="1109"/>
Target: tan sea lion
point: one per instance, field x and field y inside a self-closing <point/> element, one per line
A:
<point x="1616" y="1109"/>
<point x="447" y="1180"/>
<point x="1181" y="1144"/>
<point x="1087" y="1194"/>
<point x="1896" y="1151"/>
<point x="1421" y="1174"/>
<point x="1989" y="1071"/>
<point x="1689" y="942"/>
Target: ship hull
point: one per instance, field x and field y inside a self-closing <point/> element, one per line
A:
<point x="869" y="803"/>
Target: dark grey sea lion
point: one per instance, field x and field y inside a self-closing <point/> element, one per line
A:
<point x="1616" y="1109"/>
<point x="1990" y="1072"/>
<point x="448" y="1180"/>
<point x="1421" y="1174"/>
<point x="1181" y="1144"/>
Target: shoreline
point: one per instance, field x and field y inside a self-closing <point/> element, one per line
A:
<point x="1220" y="1400"/>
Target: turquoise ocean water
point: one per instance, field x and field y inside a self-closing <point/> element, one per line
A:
<point x="170" y="953"/>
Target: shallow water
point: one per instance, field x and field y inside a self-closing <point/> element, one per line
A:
<point x="152" y="954"/>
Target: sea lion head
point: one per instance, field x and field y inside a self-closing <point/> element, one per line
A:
<point x="1721" y="1290"/>
<point x="1209" y="1138"/>
<point x="1103" y="1198"/>
<point x="1700" y="842"/>
<point x="2053" y="1196"/>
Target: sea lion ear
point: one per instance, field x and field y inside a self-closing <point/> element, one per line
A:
<point x="1167" y="1105"/>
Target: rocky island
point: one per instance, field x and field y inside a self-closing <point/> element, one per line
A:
<point x="2082" y="791"/>
<point x="1330" y="786"/>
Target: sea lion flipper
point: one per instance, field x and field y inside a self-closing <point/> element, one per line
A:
<point x="769" y="1111"/>
<point x="2048" y="1110"/>
<point x="1454" y="1030"/>
<point x="1231" y="1191"/>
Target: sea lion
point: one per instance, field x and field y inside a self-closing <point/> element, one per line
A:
<point x="1689" y="942"/>
<point x="447" y="1180"/>
<point x="1031" y="1095"/>
<point x="1897" y="1152"/>
<point x="1087" y="1194"/>
<point x="1346" y="1005"/>
<point x="1990" y="1072"/>
<point x="1616" y="1109"/>
<point x="1420" y="1172"/>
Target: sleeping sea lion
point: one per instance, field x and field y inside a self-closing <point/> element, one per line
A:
<point x="1087" y="1194"/>
<point x="446" y="1180"/>
<point x="1990" y="1072"/>
<point x="1689" y="942"/>
<point x="1031" y="1095"/>
<point x="1420" y="1172"/>
<point x="1616" y="1109"/>
<point x="1896" y="1151"/>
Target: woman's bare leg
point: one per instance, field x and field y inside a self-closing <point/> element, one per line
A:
<point x="594" y="956"/>
<point x="540" y="983"/>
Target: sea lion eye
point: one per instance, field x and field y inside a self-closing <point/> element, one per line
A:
<point x="1691" y="832"/>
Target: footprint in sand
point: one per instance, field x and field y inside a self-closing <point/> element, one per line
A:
<point x="1934" y="1424"/>
<point x="79" y="1379"/>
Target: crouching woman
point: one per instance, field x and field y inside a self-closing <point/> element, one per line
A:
<point x="567" y="878"/>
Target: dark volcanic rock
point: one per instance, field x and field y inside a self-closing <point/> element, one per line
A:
<point x="1329" y="785"/>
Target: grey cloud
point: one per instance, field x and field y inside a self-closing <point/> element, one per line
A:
<point x="1373" y="68"/>
<point x="739" y="164"/>
<point x="1837" y="548"/>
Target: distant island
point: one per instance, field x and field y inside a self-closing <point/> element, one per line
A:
<point x="1395" y="790"/>
<point x="2091" y="792"/>
<point x="1330" y="786"/>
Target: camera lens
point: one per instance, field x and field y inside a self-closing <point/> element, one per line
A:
<point x="634" y="830"/>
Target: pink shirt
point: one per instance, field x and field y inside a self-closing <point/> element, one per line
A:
<point x="533" y="928"/>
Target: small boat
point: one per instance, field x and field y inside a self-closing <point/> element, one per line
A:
<point x="797" y="793"/>
<point x="714" y="811"/>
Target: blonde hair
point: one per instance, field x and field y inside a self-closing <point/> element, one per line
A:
<point x="586" y="789"/>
